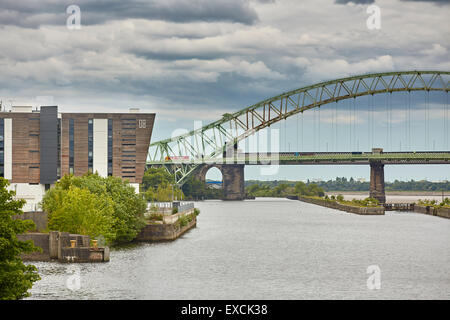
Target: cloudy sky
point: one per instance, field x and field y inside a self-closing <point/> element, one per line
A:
<point x="193" y="60"/>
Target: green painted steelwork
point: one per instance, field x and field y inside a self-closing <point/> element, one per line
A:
<point x="207" y="144"/>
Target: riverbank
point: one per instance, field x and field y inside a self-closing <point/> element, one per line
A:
<point x="443" y="212"/>
<point x="379" y="210"/>
<point x="63" y="247"/>
<point x="167" y="221"/>
<point x="393" y="193"/>
<point x="164" y="232"/>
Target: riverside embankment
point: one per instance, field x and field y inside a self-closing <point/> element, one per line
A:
<point x="443" y="212"/>
<point x="379" y="210"/>
<point x="169" y="226"/>
<point x="66" y="247"/>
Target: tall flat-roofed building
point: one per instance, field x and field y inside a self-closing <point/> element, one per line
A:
<point x="37" y="147"/>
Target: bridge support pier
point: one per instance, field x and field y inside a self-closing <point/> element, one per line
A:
<point x="233" y="182"/>
<point x="377" y="181"/>
<point x="233" y="179"/>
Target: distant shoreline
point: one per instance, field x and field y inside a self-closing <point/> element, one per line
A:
<point x="394" y="193"/>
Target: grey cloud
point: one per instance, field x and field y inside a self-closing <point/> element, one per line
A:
<point x="372" y="1"/>
<point x="354" y="1"/>
<point x="32" y="14"/>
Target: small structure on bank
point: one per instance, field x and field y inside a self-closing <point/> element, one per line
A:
<point x="64" y="247"/>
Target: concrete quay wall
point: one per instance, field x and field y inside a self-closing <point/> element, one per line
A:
<point x="164" y="232"/>
<point x="344" y="207"/>
<point x="430" y="210"/>
<point x="56" y="245"/>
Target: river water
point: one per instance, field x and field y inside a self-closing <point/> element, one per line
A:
<point x="270" y="249"/>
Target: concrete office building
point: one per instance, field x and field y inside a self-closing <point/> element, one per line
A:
<point x="38" y="147"/>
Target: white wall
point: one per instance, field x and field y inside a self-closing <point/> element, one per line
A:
<point x="31" y="193"/>
<point x="135" y="186"/>
<point x="7" y="138"/>
<point x="100" y="149"/>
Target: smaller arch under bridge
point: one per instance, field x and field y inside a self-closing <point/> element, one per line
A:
<point x="189" y="154"/>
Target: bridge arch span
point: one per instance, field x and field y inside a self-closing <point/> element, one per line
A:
<point x="210" y="141"/>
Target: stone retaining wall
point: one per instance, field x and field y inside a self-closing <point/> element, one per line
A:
<point x="344" y="207"/>
<point x="38" y="217"/>
<point x="56" y="246"/>
<point x="440" y="212"/>
<point x="164" y="232"/>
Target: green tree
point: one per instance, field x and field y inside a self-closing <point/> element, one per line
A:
<point x="84" y="212"/>
<point x="128" y="208"/>
<point x="154" y="177"/>
<point x="16" y="278"/>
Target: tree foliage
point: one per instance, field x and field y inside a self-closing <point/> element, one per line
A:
<point x="159" y="185"/>
<point x="16" y="278"/>
<point x="194" y="189"/>
<point x="344" y="184"/>
<point x="95" y="206"/>
<point x="284" y="190"/>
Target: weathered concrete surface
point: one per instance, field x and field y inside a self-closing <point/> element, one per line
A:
<point x="233" y="179"/>
<point x="377" y="182"/>
<point x="38" y="217"/>
<point x="439" y="212"/>
<point x="164" y="232"/>
<point x="344" y="207"/>
<point x="56" y="246"/>
<point x="40" y="240"/>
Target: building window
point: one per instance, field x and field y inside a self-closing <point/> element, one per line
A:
<point x="90" y="145"/>
<point x="110" y="147"/>
<point x="71" y="146"/>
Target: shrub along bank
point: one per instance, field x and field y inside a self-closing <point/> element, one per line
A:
<point x="103" y="208"/>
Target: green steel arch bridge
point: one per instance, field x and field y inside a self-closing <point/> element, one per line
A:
<point x="215" y="144"/>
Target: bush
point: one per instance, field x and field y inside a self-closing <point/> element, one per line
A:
<point x="156" y="217"/>
<point x="95" y="206"/>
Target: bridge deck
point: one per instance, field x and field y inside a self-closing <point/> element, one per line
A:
<point x="324" y="158"/>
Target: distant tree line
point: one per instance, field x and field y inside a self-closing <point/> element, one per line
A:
<point x="344" y="184"/>
<point x="159" y="185"/>
<point x="284" y="190"/>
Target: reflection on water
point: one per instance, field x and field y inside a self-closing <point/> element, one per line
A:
<point x="271" y="249"/>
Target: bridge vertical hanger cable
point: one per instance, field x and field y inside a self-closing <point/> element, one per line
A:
<point x="351" y="123"/>
<point x="368" y="122"/>
<point x="406" y="121"/>
<point x="302" y="133"/>
<point x="390" y="121"/>
<point x="314" y="129"/>
<point x="371" y="121"/>
<point x="285" y="133"/>
<point x="354" y="121"/>
<point x="426" y="122"/>
<point x="387" y="120"/>
<point x="297" y="131"/>
<point x="318" y="142"/>
<point x="332" y="129"/>
<point x="409" y="120"/>
<point x="446" y="121"/>
<point x="336" y="127"/>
